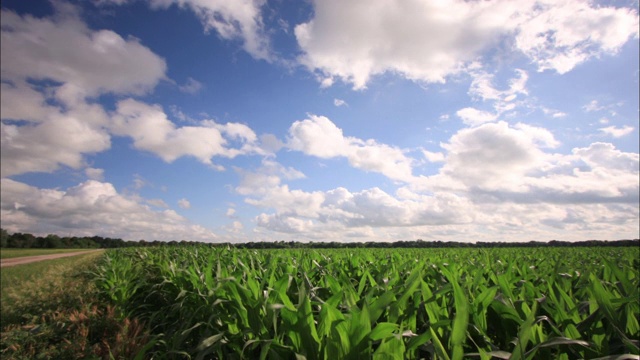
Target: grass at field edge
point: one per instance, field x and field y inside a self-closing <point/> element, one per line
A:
<point x="16" y="253"/>
<point x="52" y="309"/>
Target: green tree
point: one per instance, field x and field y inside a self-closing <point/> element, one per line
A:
<point x="4" y="238"/>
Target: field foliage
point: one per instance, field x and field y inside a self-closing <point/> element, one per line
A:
<point x="225" y="303"/>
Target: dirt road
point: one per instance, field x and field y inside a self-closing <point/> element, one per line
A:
<point x="30" y="259"/>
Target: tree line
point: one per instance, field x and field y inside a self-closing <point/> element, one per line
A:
<point x="52" y="241"/>
<point x="26" y="241"/>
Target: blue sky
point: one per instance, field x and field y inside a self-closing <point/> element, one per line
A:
<point x="321" y="120"/>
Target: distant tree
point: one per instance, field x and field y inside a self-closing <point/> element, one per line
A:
<point x="4" y="238"/>
<point x="54" y="242"/>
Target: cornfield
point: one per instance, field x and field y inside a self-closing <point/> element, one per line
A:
<point x="225" y="303"/>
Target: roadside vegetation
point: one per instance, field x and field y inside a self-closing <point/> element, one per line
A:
<point x="226" y="303"/>
<point x="52" y="310"/>
<point x="16" y="253"/>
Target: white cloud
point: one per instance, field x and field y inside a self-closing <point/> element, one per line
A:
<point x="239" y="20"/>
<point x="152" y="131"/>
<point x="606" y="156"/>
<point x="430" y="40"/>
<point x="232" y="20"/>
<point x="474" y="117"/>
<point x="235" y="227"/>
<point x="36" y="49"/>
<point x="482" y="86"/>
<point x="560" y="35"/>
<point x="192" y="86"/>
<point x="284" y="224"/>
<point x="184" y="203"/>
<point x="496" y="178"/>
<point x="230" y="212"/>
<point x="495" y="155"/>
<point x="617" y="132"/>
<point x="75" y="63"/>
<point x="91" y="208"/>
<point x="499" y="163"/>
<point x="62" y="139"/>
<point x="139" y="182"/>
<point x="298" y="211"/>
<point x="94" y="174"/>
<point x="504" y="101"/>
<point x="292" y="202"/>
<point x="319" y="136"/>
<point x="358" y="40"/>
<point x="63" y="49"/>
<point x="593" y="106"/>
<point x="555" y="114"/>
<point x="267" y="177"/>
<point x="339" y="102"/>
<point x="374" y="207"/>
<point x="480" y="221"/>
<point x="157" y="203"/>
<point x="433" y="156"/>
<point x="20" y="102"/>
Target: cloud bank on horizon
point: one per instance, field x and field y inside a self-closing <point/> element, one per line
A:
<point x="323" y="121"/>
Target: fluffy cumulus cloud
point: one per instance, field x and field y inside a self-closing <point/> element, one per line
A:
<point x="60" y="139"/>
<point x="91" y="208"/>
<point x="497" y="162"/>
<point x="50" y="68"/>
<point x="483" y="87"/>
<point x="504" y="100"/>
<point x="495" y="155"/>
<point x="239" y="20"/>
<point x="38" y="50"/>
<point x="339" y="209"/>
<point x="267" y="177"/>
<point x="617" y="132"/>
<point x="559" y="35"/>
<point x="495" y="178"/>
<point x="152" y="131"/>
<point x="319" y="136"/>
<point x="373" y="215"/>
<point x="433" y="156"/>
<point x="429" y="40"/>
<point x="53" y="71"/>
<point x="64" y="50"/>
<point x="331" y="213"/>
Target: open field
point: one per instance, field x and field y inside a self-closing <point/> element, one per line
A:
<point x="552" y="303"/>
<point x="16" y="253"/>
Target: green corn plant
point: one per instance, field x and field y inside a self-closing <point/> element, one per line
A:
<point x="225" y="303"/>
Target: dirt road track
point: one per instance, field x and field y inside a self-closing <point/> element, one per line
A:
<point x="30" y="259"/>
